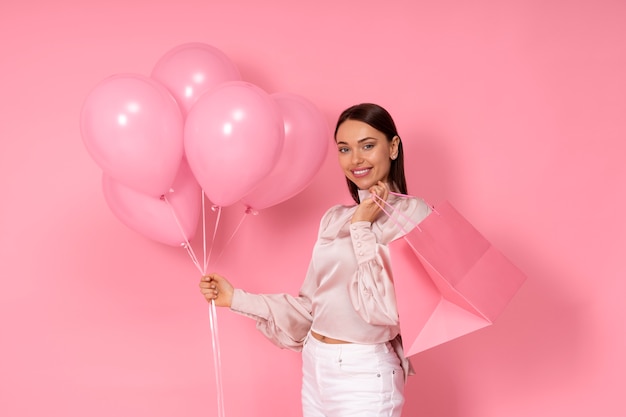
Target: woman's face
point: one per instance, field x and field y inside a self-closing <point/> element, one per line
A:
<point x="364" y="153"/>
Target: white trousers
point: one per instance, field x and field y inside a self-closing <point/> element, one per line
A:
<point x="351" y="380"/>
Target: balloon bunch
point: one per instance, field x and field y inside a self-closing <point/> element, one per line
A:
<point x="191" y="131"/>
<point x="194" y="128"/>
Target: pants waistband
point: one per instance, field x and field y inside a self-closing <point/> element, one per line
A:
<point x="348" y="347"/>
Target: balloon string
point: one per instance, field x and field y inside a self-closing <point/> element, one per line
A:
<point x="245" y="215"/>
<point x="207" y="261"/>
<point x="204" y="233"/>
<point x="186" y="243"/>
<point x="217" y="359"/>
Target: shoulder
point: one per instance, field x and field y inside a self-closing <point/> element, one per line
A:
<point x="403" y="214"/>
<point x="417" y="209"/>
<point x="334" y="213"/>
<point x="409" y="207"/>
<point x="335" y="218"/>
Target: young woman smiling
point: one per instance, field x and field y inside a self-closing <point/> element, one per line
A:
<point x="344" y="318"/>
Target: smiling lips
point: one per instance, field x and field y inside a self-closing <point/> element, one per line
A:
<point x="358" y="173"/>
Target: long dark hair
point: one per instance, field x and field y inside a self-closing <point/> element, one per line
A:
<point x="380" y="119"/>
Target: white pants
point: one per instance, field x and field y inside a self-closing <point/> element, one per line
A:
<point x="351" y="380"/>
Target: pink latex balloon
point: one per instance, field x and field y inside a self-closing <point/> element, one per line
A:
<point x="133" y="129"/>
<point x="153" y="217"/>
<point x="233" y="138"/>
<point x="191" y="69"/>
<point x="306" y="145"/>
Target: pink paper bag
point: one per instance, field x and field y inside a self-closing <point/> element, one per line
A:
<point x="449" y="280"/>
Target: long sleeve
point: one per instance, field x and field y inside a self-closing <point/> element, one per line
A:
<point x="371" y="291"/>
<point x="348" y="291"/>
<point x="283" y="319"/>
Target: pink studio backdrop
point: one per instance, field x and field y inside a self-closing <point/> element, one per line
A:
<point x="514" y="111"/>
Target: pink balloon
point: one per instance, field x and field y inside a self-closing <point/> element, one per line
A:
<point x="191" y="69"/>
<point x="153" y="217"/>
<point x="133" y="129"/>
<point x="233" y="138"/>
<point x="305" y="148"/>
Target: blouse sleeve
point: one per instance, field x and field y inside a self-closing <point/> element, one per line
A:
<point x="284" y="319"/>
<point x="371" y="291"/>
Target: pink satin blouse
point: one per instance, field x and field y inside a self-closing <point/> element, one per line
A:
<point x="347" y="293"/>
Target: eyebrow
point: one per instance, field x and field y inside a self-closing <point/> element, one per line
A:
<point x="359" y="141"/>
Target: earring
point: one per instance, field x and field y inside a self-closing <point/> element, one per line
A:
<point x="393" y="157"/>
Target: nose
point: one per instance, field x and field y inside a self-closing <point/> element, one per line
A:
<point x="356" y="158"/>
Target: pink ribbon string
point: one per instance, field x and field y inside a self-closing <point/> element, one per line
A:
<point x="245" y="215"/>
<point x="207" y="260"/>
<point x="203" y="197"/>
<point x="217" y="357"/>
<point x="217" y="360"/>
<point x="378" y="200"/>
<point x="186" y="245"/>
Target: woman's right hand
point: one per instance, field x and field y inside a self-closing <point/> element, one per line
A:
<point x="369" y="209"/>
<point x="216" y="288"/>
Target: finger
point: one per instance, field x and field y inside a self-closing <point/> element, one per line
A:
<point x="208" y="292"/>
<point x="214" y="277"/>
<point x="384" y="190"/>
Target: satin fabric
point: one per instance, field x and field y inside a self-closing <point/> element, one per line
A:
<point x="347" y="293"/>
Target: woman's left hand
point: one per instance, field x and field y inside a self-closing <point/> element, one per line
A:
<point x="216" y="288"/>
<point x="369" y="209"/>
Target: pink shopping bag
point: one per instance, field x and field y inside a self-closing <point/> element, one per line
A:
<point x="449" y="280"/>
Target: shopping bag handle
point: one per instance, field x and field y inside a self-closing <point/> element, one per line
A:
<point x="377" y="200"/>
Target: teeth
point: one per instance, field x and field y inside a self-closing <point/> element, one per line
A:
<point x="360" y="171"/>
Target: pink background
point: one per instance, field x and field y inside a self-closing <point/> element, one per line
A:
<point x="514" y="111"/>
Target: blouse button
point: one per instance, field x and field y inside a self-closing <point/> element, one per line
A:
<point x="358" y="245"/>
<point x="360" y="253"/>
<point x="356" y="236"/>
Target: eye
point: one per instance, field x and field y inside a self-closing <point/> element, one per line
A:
<point x="368" y="146"/>
<point x="343" y="149"/>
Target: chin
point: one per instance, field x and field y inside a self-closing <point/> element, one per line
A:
<point x="363" y="183"/>
<point x="366" y="184"/>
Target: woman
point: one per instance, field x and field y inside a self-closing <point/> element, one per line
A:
<point x="344" y="318"/>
